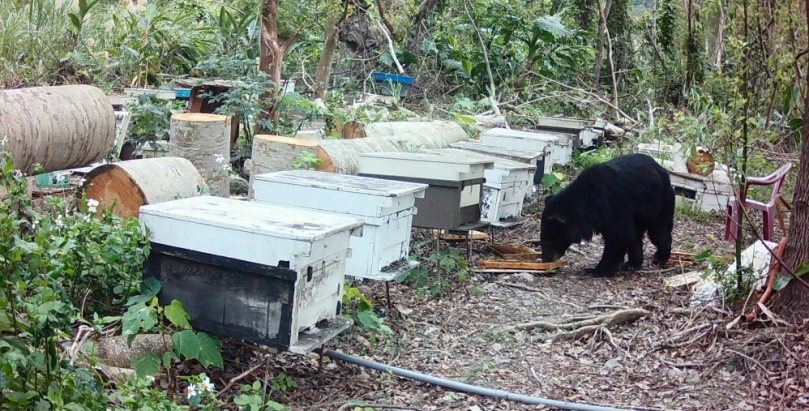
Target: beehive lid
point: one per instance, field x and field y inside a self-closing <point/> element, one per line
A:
<point x="524" y="155"/>
<point x="252" y="217"/>
<point x="567" y="123"/>
<point x="423" y="165"/>
<point x="343" y="182"/>
<point x="500" y="163"/>
<point x="537" y="135"/>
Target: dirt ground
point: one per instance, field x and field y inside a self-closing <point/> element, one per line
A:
<point x="670" y="359"/>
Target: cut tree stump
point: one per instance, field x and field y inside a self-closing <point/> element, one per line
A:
<point x="277" y="153"/>
<point x="204" y="140"/>
<point x="59" y="127"/>
<point x="135" y="183"/>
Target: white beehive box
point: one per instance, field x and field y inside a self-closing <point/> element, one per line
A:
<point x="505" y="189"/>
<point x="535" y="157"/>
<point x="385" y="206"/>
<point x="301" y="251"/>
<point x="557" y="147"/>
<point x="453" y="198"/>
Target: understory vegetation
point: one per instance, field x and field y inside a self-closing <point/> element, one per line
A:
<point x="725" y="76"/>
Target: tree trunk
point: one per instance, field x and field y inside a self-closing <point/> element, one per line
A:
<point x="272" y="52"/>
<point x="58" y="127"/>
<point x="277" y="153"/>
<point x="795" y="297"/>
<point x="204" y="140"/>
<point x="604" y="13"/>
<point x="720" y="36"/>
<point x="324" y="66"/>
<point x="132" y="184"/>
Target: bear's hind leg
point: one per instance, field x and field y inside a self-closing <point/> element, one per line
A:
<point x="635" y="253"/>
<point x="660" y="234"/>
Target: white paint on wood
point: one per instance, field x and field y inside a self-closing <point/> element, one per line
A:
<point x="557" y="147"/>
<point x="385" y="206"/>
<point x="423" y="165"/>
<point x="309" y="241"/>
<point x="343" y="155"/>
<point x="505" y="189"/>
<point x="59" y="127"/>
<point x="204" y="139"/>
<point x="567" y="123"/>
<point x="523" y="156"/>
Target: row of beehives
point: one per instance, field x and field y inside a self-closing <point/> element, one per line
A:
<point x="271" y="271"/>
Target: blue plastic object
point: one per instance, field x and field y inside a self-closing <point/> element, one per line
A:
<point x="182" y="93"/>
<point x="386" y="80"/>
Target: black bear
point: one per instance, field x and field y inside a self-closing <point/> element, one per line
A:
<point x="620" y="199"/>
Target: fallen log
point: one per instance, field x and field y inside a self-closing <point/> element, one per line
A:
<point x="204" y="140"/>
<point x="135" y="183"/>
<point x="59" y="127"/>
<point x="342" y="156"/>
<point x="277" y="153"/>
<point x="392" y="128"/>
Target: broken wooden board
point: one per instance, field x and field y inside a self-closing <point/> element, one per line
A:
<point x="476" y="235"/>
<point x="515" y="252"/>
<point x="521" y="265"/>
<point x="507" y="271"/>
<point x="681" y="257"/>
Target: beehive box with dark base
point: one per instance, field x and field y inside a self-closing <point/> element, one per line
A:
<point x="452" y="202"/>
<point x="386" y="207"/>
<point x="505" y="188"/>
<point x="266" y="274"/>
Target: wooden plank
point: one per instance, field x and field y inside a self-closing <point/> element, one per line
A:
<point x="522" y="265"/>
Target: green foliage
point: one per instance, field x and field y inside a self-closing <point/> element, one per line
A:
<point x="553" y="183"/>
<point x="145" y="315"/>
<point x="666" y="20"/>
<point x="253" y="398"/>
<point x="354" y="299"/>
<point x="306" y="160"/>
<point x="434" y="278"/>
<point x="582" y="160"/>
<point x="44" y="261"/>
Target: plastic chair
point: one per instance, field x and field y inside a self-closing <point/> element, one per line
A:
<point x="769" y="210"/>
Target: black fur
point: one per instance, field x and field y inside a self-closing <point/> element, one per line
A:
<point x="621" y="199"/>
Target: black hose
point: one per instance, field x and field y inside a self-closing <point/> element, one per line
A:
<point x="459" y="386"/>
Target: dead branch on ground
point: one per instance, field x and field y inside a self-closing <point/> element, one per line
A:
<point x="577" y="329"/>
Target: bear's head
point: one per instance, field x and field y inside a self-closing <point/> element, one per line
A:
<point x="558" y="231"/>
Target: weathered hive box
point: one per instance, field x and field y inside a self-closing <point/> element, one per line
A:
<point x="386" y="207"/>
<point x="263" y="273"/>
<point x="557" y="147"/>
<point x="706" y="193"/>
<point x="505" y="188"/>
<point x="534" y="157"/>
<point x="587" y="132"/>
<point x="452" y="202"/>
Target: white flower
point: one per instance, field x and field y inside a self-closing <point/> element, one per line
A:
<point x="87" y="218"/>
<point x="150" y="378"/>
<point x="226" y="167"/>
<point x="58" y="221"/>
<point x="81" y="181"/>
<point x="18" y="173"/>
<point x="206" y="384"/>
<point x="4" y="141"/>
<point x="91" y="205"/>
<point x="34" y="224"/>
<point x="219" y="158"/>
<point x="191" y="390"/>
